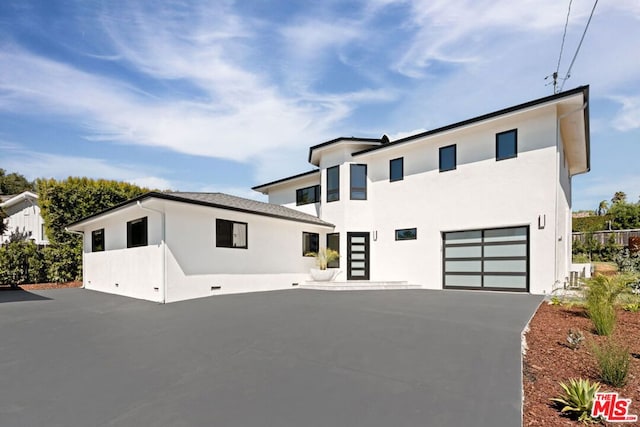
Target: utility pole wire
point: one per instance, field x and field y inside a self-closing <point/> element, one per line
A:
<point x="564" y="35"/>
<point x="579" y="45"/>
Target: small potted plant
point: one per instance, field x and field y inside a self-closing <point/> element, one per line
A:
<point x="323" y="257"/>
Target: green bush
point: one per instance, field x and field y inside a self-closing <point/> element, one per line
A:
<point x="21" y="262"/>
<point x="600" y="295"/>
<point x="589" y="224"/>
<point x="613" y="362"/>
<point x="578" y="398"/>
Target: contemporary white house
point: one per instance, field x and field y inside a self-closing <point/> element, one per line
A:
<point x="481" y="204"/>
<point x="23" y="216"/>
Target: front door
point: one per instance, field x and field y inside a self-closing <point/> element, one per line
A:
<point x="358" y="256"/>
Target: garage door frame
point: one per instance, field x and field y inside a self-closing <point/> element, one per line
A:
<point x="482" y="260"/>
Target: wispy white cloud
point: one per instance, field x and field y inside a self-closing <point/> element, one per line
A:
<point x="629" y="115"/>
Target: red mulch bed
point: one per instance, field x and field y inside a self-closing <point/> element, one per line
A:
<point x="548" y="361"/>
<point x="39" y="286"/>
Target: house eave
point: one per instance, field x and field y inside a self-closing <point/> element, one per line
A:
<point x="264" y="188"/>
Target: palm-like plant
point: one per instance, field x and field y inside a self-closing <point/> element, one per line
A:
<point x="578" y="398"/>
<point x="324" y="256"/>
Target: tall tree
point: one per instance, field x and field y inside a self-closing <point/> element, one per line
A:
<point x="619" y="197"/>
<point x="13" y="183"/>
<point x="602" y="208"/>
<point x="3" y="225"/>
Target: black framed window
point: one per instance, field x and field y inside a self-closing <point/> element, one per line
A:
<point x="407" y="234"/>
<point x="97" y="240"/>
<point x="137" y="233"/>
<point x="396" y="169"/>
<point x="308" y="195"/>
<point x="231" y="234"/>
<point x="447" y="158"/>
<point x="333" y="184"/>
<point x="310" y="243"/>
<point x="358" y="182"/>
<point x="507" y="144"/>
<point x="333" y="242"/>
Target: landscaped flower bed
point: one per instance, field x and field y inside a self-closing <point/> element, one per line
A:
<point x="550" y="360"/>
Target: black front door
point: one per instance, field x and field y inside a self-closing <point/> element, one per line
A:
<point x="358" y="256"/>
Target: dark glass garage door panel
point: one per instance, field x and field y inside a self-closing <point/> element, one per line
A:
<point x="493" y="259"/>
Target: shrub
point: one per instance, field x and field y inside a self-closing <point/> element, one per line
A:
<point x="21" y="262"/>
<point x="613" y="362"/>
<point x="627" y="262"/>
<point x="601" y="293"/>
<point x="578" y="398"/>
<point x="633" y="307"/>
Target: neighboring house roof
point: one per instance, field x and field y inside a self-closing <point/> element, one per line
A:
<point x="584" y="90"/>
<point x="217" y="200"/>
<point x="263" y="187"/>
<point x="12" y="199"/>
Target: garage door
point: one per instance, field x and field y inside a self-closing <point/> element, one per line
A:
<point x="491" y="259"/>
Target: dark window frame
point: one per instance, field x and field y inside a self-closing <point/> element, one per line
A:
<point x="300" y="195"/>
<point x="515" y="142"/>
<point x="222" y="242"/>
<point x="336" y="263"/>
<point x="400" y="230"/>
<point x="144" y="241"/>
<point x="455" y="157"/>
<point x="95" y="247"/>
<point x="391" y="162"/>
<point x="333" y="194"/>
<point x="306" y="250"/>
<point x="352" y="188"/>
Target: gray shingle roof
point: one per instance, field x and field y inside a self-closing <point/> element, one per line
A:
<point x="228" y="201"/>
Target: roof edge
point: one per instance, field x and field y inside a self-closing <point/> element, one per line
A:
<point x="342" y="138"/>
<point x="289" y="178"/>
<point x="18" y="197"/>
<point x="580" y="89"/>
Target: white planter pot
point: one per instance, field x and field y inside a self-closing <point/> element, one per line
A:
<point x="323" y="275"/>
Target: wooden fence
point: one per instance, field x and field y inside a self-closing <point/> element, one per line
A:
<point x="621" y="236"/>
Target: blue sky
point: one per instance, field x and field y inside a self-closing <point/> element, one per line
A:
<point x="223" y="95"/>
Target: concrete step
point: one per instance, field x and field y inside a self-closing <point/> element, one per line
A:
<point x="358" y="285"/>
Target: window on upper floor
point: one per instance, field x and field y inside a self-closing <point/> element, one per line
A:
<point x="507" y="144"/>
<point x="231" y="234"/>
<point x="396" y="169"/>
<point x="333" y="184"/>
<point x="97" y="240"/>
<point x="310" y="243"/>
<point x="358" y="182"/>
<point x="308" y="195"/>
<point x="447" y="158"/>
<point x="137" y="232"/>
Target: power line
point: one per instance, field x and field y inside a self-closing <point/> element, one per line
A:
<point x="564" y="35"/>
<point x="579" y="45"/>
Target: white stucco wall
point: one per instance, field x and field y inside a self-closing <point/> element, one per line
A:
<point x="272" y="260"/>
<point x="285" y="194"/>
<point x="24" y="216"/>
<point x="138" y="272"/>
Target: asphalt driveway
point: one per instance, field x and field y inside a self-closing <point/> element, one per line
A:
<point x="307" y="358"/>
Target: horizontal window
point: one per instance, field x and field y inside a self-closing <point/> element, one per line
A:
<point x="507" y="144"/>
<point x="97" y="240"/>
<point x="407" y="234"/>
<point x="396" y="169"/>
<point x="310" y="243"/>
<point x="231" y="234"/>
<point x="308" y="195"/>
<point x="137" y="233"/>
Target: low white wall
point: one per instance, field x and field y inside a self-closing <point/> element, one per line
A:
<point x="136" y="271"/>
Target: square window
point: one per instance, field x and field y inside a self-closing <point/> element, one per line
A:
<point x="310" y="243"/>
<point x="447" y="158"/>
<point x="333" y="184"/>
<point x="507" y="144"/>
<point x="407" y="234"/>
<point x="358" y="182"/>
<point x="231" y="234"/>
<point x="137" y="232"/>
<point x="97" y="240"/>
<point x="396" y="169"/>
<point x="308" y="195"/>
